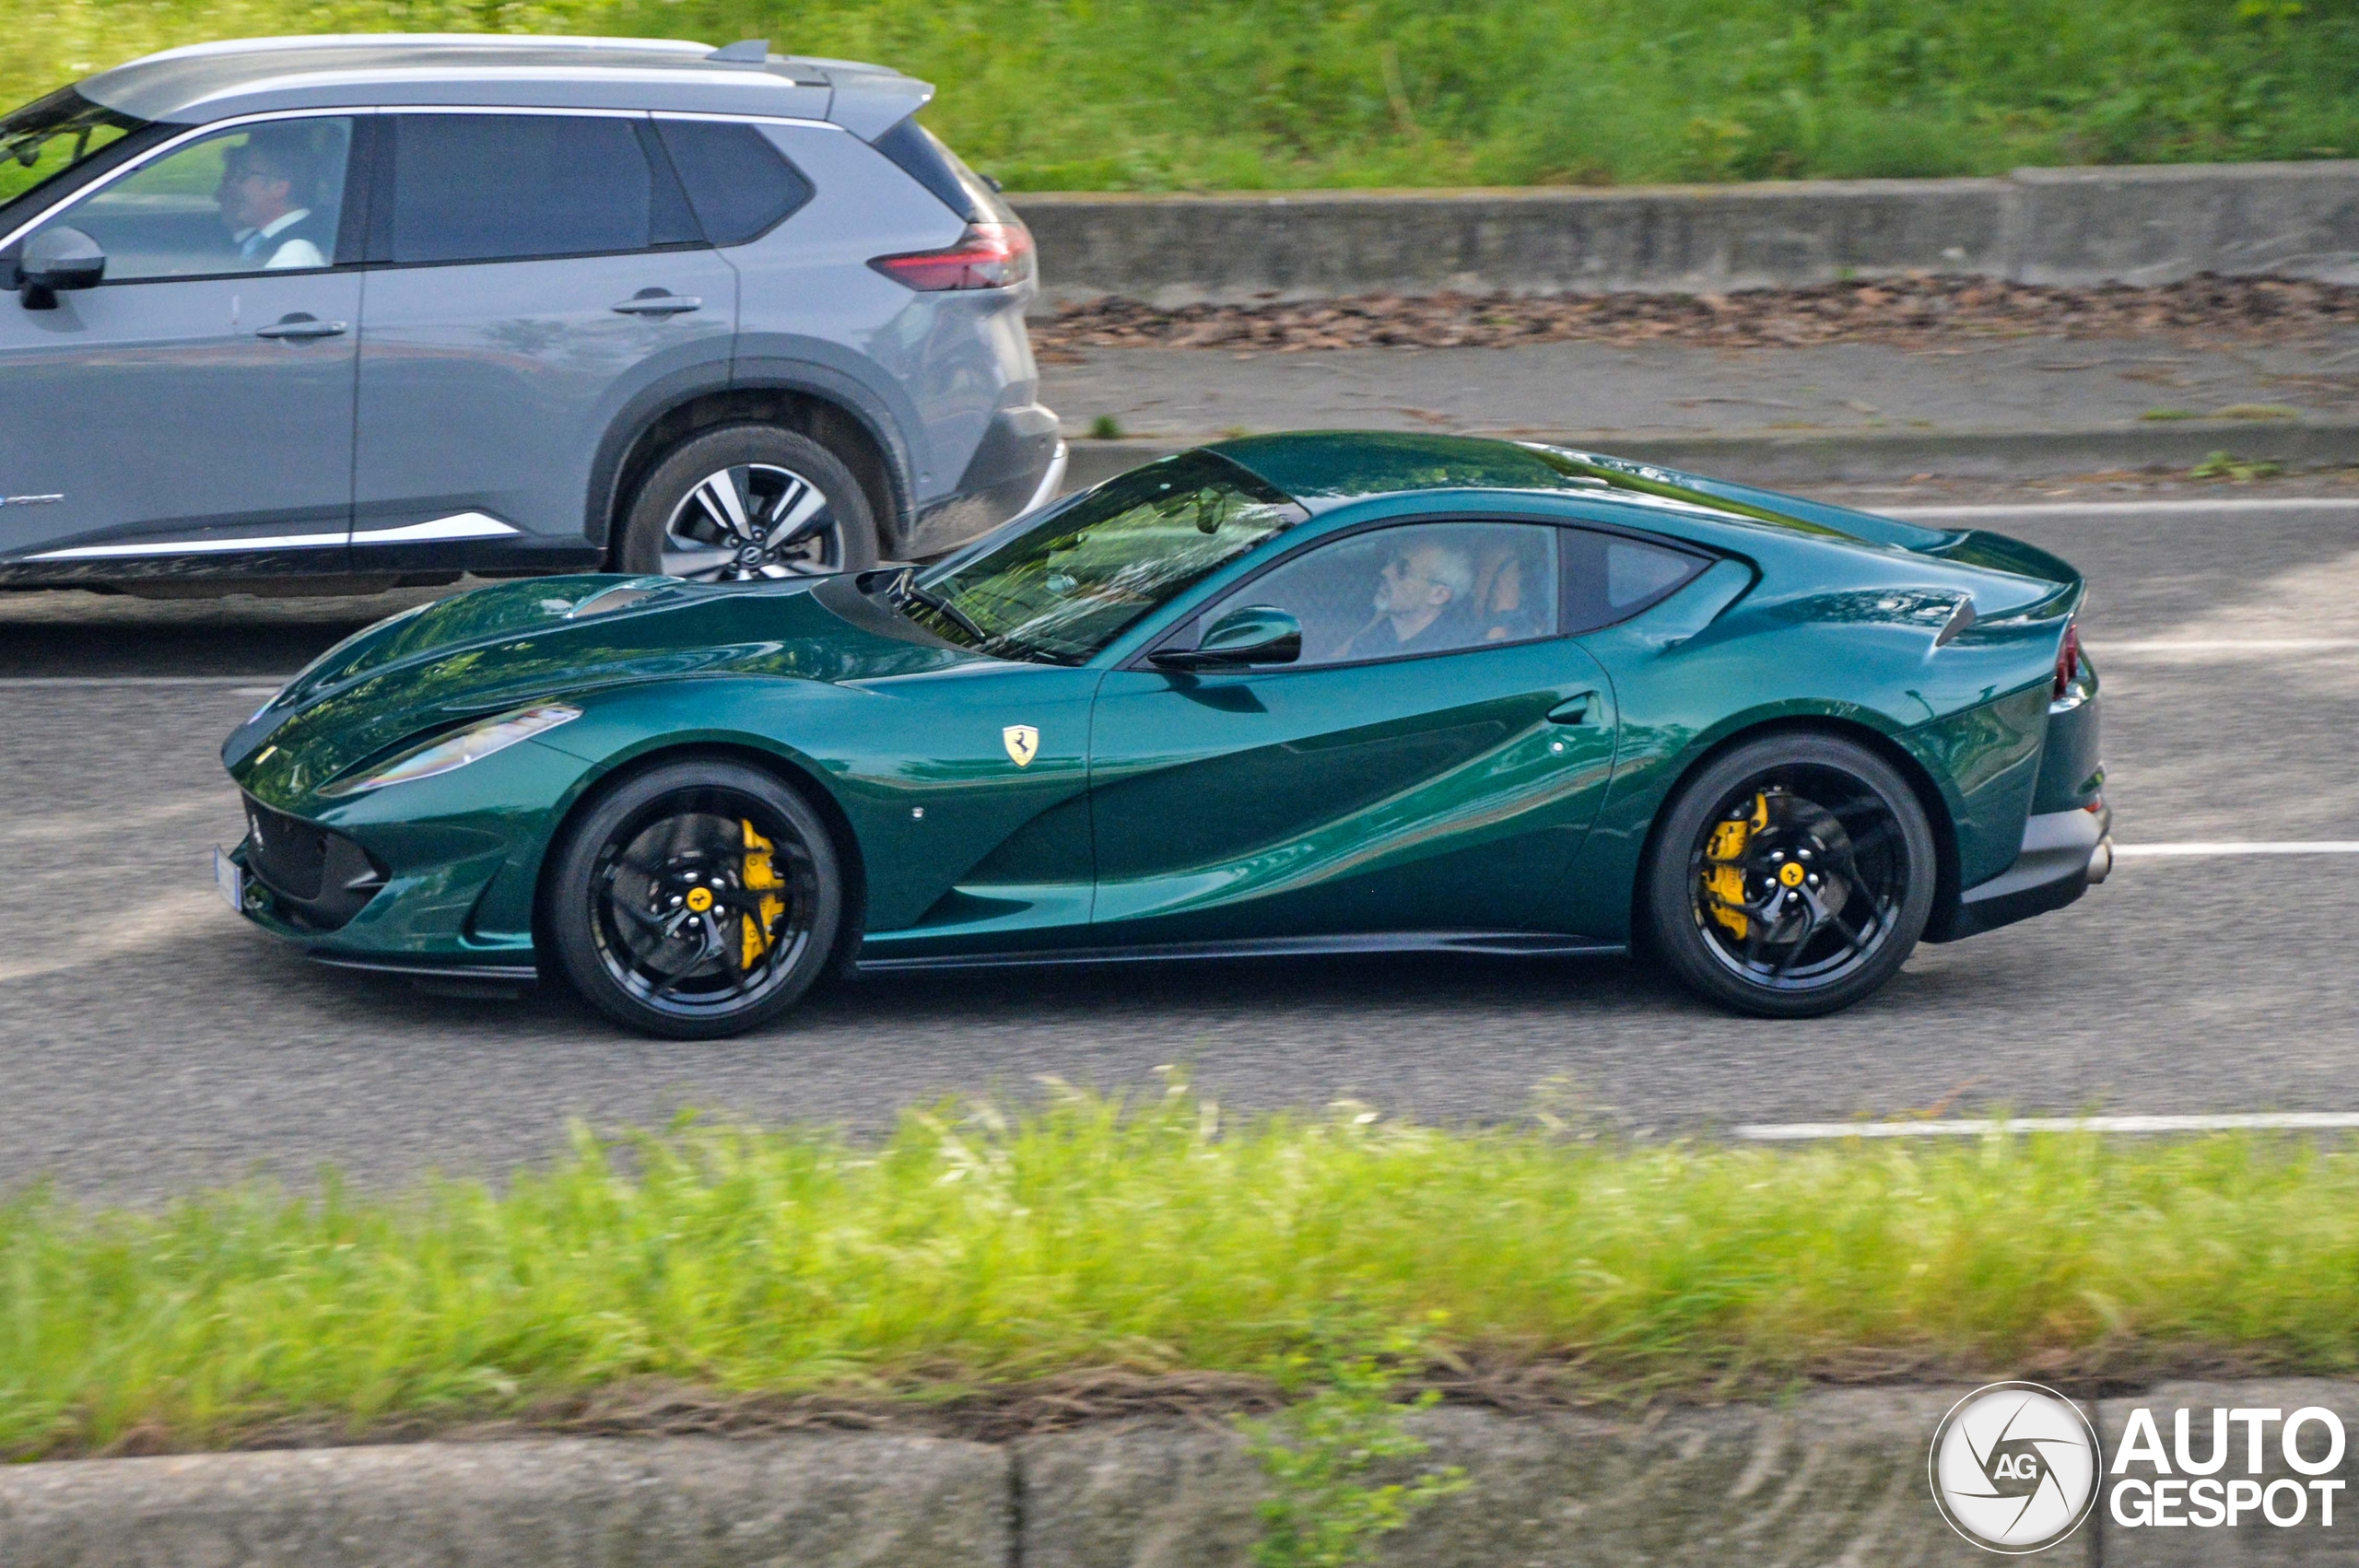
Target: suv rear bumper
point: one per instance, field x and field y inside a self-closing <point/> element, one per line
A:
<point x="1016" y="466"/>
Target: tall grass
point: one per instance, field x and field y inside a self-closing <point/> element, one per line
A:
<point x="1162" y="94"/>
<point x="974" y="1247"/>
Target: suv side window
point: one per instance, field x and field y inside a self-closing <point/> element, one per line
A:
<point x="1418" y="588"/>
<point x="522" y="187"/>
<point x="261" y="198"/>
<point x="741" y="185"/>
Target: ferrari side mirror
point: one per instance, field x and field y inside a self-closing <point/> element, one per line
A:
<point x="1258" y="634"/>
<point x="55" y="260"/>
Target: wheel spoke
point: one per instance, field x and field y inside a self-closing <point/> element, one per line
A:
<point x="805" y="519"/>
<point x="1853" y="942"/>
<point x="723" y="496"/>
<point x="703" y="563"/>
<point x="1875" y="903"/>
<point x="1862" y="844"/>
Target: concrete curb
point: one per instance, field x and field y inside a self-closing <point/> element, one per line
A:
<point x="1950" y="454"/>
<point x="1831" y="1477"/>
<point x="2048" y="226"/>
<point x="831" y="1501"/>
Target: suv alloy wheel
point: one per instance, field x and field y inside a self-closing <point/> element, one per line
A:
<point x="748" y="501"/>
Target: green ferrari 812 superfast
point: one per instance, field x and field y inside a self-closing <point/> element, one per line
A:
<point x="1291" y="694"/>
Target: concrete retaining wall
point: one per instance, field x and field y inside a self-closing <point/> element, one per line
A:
<point x="2050" y="226"/>
<point x="1831" y="1477"/>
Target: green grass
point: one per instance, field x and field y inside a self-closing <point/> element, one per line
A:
<point x="1245" y="94"/>
<point x="972" y="1250"/>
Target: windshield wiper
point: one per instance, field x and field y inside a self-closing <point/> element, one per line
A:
<point x="907" y="588"/>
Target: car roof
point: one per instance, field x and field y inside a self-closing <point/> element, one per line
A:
<point x="1322" y="469"/>
<point x="216" y="81"/>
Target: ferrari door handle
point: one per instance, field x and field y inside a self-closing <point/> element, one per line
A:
<point x="299" y="326"/>
<point x="1573" y="709"/>
<point x="655" y="302"/>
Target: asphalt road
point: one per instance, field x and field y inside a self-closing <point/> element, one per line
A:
<point x="150" y="1042"/>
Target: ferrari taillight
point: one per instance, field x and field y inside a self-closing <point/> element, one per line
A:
<point x="988" y="255"/>
<point x="2068" y="658"/>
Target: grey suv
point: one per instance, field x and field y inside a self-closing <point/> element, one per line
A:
<point x="388" y="308"/>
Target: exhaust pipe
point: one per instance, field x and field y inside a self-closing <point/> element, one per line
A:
<point x="2101" y="861"/>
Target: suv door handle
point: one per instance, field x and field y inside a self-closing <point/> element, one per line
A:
<point x="656" y="302"/>
<point x="299" y="326"/>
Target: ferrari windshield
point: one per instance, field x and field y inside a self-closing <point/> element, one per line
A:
<point x="1064" y="588"/>
<point x="52" y="134"/>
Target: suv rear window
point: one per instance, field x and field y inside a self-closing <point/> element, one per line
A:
<point x="741" y="187"/>
<point x="513" y="187"/>
<point x="921" y="154"/>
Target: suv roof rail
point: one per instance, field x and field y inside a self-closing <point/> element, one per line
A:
<point x="362" y="41"/>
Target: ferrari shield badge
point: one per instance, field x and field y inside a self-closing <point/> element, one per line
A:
<point x="1023" y="743"/>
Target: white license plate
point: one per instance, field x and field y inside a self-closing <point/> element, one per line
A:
<point x="230" y="878"/>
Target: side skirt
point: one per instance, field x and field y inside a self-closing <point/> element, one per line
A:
<point x="1497" y="944"/>
<point x="510" y="973"/>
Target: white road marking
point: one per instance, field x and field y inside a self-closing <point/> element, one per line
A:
<point x="2255" y="1122"/>
<point x="2241" y="847"/>
<point x="2255" y="646"/>
<point x="2227" y="505"/>
<point x="237" y="685"/>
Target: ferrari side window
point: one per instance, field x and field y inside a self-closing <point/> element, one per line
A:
<point x="1420" y="589"/>
<point x="1610" y="577"/>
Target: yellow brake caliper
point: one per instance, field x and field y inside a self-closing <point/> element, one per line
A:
<point x="1724" y="883"/>
<point x="761" y="877"/>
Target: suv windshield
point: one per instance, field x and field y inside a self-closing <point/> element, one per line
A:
<point x="50" y="136"/>
<point x="1064" y="589"/>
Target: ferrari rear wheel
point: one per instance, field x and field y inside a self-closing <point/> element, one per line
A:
<point x="1792" y="877"/>
<point x="697" y="900"/>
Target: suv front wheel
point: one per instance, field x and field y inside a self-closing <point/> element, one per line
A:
<point x="749" y="501"/>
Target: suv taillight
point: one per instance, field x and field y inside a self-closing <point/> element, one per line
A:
<point x="2068" y="658"/>
<point x="989" y="255"/>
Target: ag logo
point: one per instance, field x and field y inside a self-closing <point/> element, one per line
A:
<point x="2015" y="1468"/>
<point x="1023" y="743"/>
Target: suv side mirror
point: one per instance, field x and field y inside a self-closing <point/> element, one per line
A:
<point x="1258" y="634"/>
<point x="54" y="259"/>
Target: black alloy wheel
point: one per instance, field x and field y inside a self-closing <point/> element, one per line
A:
<point x="746" y="502"/>
<point x="696" y="900"/>
<point x="1792" y="877"/>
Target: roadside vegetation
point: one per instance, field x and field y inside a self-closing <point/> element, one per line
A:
<point x="977" y="1249"/>
<point x="1255" y="94"/>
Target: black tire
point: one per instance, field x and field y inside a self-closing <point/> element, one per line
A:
<point x="715" y="844"/>
<point x="1834" y="866"/>
<point x="679" y="527"/>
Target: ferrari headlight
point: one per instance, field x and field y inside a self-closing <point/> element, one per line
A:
<point x="454" y="752"/>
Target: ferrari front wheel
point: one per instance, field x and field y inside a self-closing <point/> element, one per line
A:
<point x="1792" y="876"/>
<point x="696" y="900"/>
